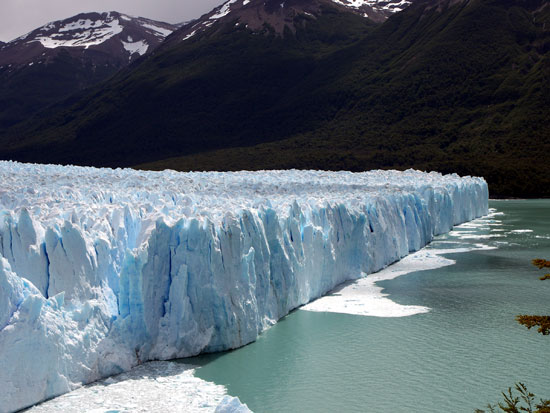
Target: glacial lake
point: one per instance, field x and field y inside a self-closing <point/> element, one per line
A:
<point x="457" y="357"/>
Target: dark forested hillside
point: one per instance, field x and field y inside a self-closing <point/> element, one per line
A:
<point x="449" y="86"/>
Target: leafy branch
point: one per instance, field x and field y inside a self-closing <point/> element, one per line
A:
<point x="523" y="402"/>
<point x="540" y="321"/>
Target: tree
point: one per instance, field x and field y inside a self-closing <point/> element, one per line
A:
<point x="525" y="402"/>
<point x="540" y="321"/>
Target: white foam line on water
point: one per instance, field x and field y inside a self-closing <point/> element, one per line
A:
<point x="476" y="225"/>
<point x="364" y="297"/>
<point x="159" y="386"/>
<point x="521" y="231"/>
<point x="480" y="236"/>
<point x="445" y="242"/>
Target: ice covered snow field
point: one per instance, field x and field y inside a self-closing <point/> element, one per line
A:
<point x="101" y="270"/>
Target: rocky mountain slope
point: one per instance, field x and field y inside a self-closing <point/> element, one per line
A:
<point x="62" y="57"/>
<point x="280" y="15"/>
<point x="274" y="15"/>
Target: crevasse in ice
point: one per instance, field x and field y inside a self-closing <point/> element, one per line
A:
<point x="103" y="269"/>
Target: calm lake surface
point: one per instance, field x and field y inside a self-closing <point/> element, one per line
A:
<point x="455" y="358"/>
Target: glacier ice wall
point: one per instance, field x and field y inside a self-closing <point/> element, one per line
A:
<point x="103" y="269"/>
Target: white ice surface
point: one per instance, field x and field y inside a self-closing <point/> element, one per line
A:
<point x="154" y="387"/>
<point x="104" y="269"/>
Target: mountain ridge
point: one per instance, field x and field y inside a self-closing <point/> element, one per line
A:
<point x="279" y="15"/>
<point x="94" y="31"/>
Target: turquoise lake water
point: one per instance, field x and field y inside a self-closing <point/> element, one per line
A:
<point x="455" y="358"/>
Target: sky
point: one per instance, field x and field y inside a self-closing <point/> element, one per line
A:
<point x="18" y="17"/>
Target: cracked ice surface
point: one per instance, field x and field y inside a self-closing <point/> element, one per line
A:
<point x="101" y="269"/>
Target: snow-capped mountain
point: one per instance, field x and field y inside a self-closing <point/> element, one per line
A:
<point x="278" y="14"/>
<point x="62" y="57"/>
<point x="117" y="36"/>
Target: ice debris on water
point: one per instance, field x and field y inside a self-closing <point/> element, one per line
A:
<point x="154" y="387"/>
<point x="101" y="269"/>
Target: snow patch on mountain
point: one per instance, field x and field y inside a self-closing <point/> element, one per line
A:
<point x="160" y="31"/>
<point x="223" y="10"/>
<point x="388" y="5"/>
<point x="139" y="47"/>
<point x="188" y="36"/>
<point x="94" y="33"/>
<point x="81" y="24"/>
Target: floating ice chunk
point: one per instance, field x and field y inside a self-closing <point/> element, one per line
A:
<point x="232" y="405"/>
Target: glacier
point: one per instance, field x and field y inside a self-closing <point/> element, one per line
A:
<point x="102" y="270"/>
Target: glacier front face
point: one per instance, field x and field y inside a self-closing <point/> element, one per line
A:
<point x="101" y="270"/>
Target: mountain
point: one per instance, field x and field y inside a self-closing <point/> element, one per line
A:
<point x="280" y="15"/>
<point x="65" y="56"/>
<point x="454" y="86"/>
<point x="227" y="77"/>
